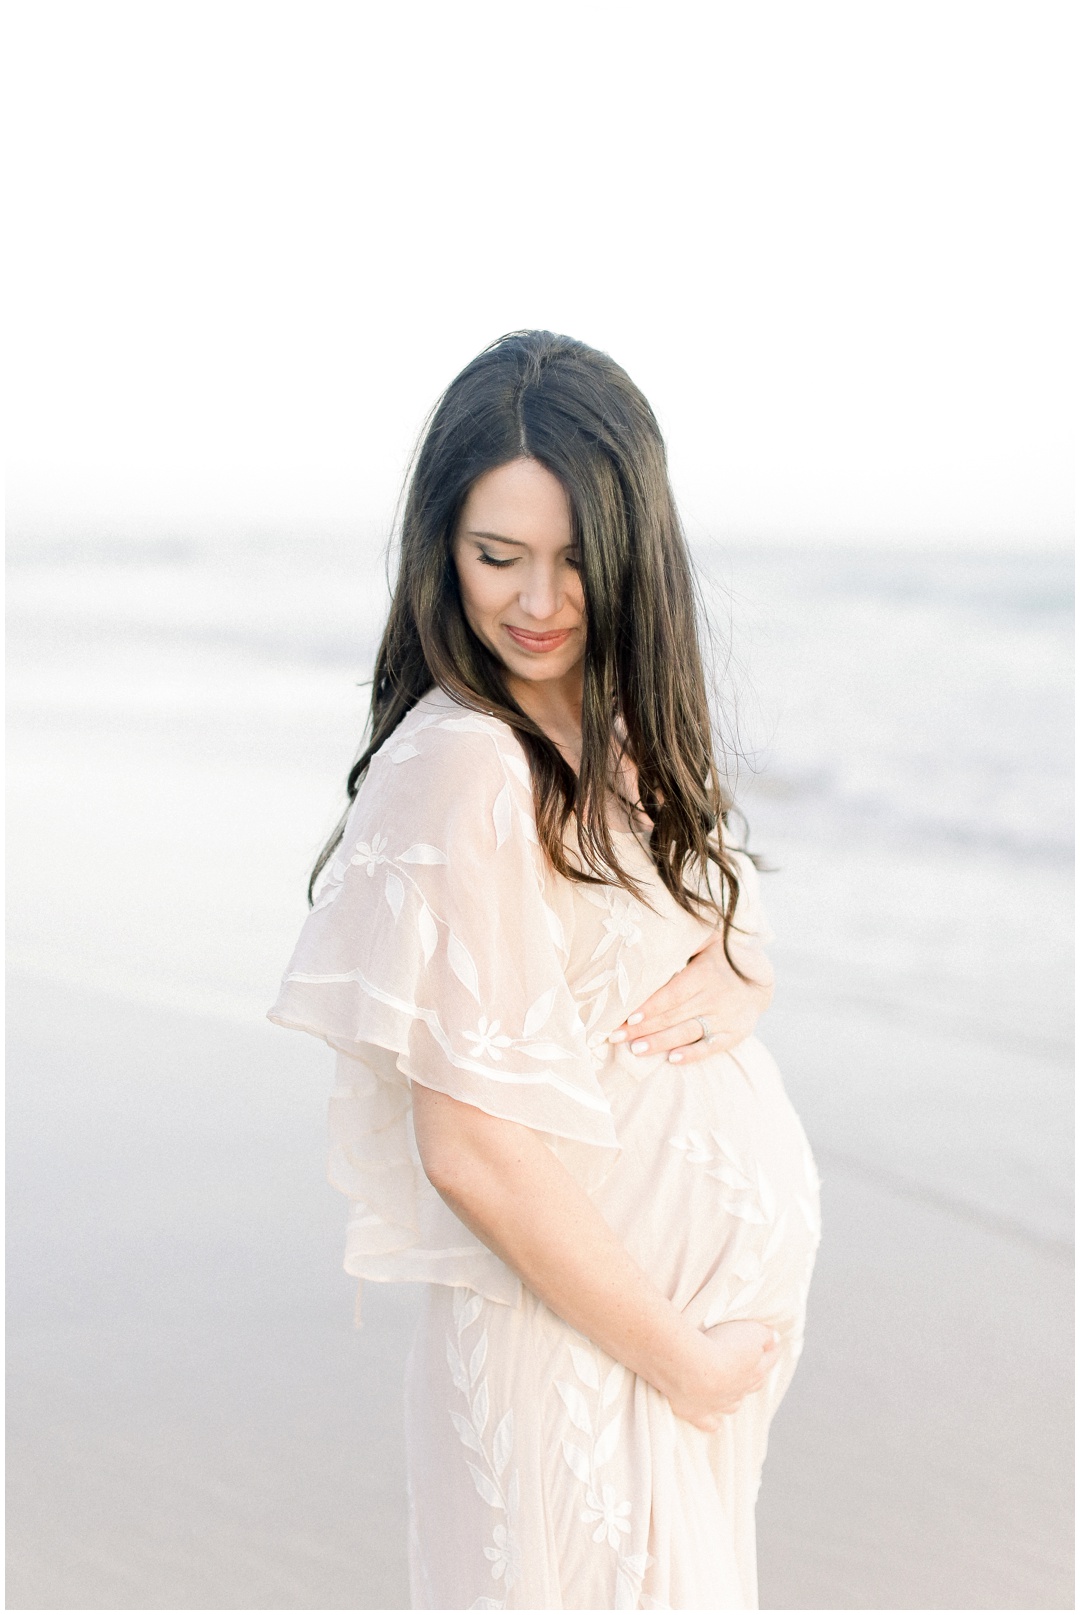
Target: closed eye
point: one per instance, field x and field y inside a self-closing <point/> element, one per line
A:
<point x="485" y="559"/>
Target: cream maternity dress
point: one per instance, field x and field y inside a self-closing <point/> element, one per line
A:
<point x="442" y="949"/>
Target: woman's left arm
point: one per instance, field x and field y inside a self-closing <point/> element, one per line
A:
<point x="706" y="989"/>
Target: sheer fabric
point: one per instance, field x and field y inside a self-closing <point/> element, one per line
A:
<point x="442" y="949"/>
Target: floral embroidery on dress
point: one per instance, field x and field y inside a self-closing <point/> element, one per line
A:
<point x="622" y="930"/>
<point x="499" y="1489"/>
<point x="748" y="1197"/>
<point x="488" y="1040"/>
<point x="605" y="1511"/>
<point x="365" y="855"/>
<point x="613" y="1516"/>
<point x="621" y="924"/>
<point x="442" y="946"/>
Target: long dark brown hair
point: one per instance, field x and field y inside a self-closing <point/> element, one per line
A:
<point x="578" y="413"/>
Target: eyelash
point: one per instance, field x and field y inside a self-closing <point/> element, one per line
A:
<point x="489" y="560"/>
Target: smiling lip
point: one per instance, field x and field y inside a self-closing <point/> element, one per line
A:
<point x="538" y="642"/>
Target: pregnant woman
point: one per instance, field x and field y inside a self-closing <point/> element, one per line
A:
<point x="538" y="960"/>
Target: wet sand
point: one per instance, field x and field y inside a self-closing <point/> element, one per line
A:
<point x="193" y="1422"/>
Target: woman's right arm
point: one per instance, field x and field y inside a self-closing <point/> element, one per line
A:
<point x="501" y="1180"/>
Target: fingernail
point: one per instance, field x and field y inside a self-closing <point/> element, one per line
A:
<point x="775" y="1337"/>
<point x="673" y="1059"/>
<point x="617" y="1037"/>
<point x="640" y="1047"/>
<point x="633" y="1020"/>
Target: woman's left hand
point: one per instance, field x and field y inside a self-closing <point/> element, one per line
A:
<point x="706" y="989"/>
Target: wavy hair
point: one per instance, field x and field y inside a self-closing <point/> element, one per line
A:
<point x="577" y="412"/>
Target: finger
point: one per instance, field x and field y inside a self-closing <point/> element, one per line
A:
<point x="681" y="1035"/>
<point x="699" y="988"/>
<point x="682" y="1014"/>
<point x="764" y="1367"/>
<point x="702" y="1048"/>
<point x="692" y="987"/>
<point x="769" y="1359"/>
<point x="669" y="1000"/>
<point x="692" y="990"/>
<point x="692" y="1053"/>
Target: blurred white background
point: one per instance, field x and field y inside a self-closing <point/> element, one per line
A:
<point x="830" y="242"/>
<point x="250" y="246"/>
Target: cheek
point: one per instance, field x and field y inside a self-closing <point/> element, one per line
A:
<point x="481" y="592"/>
<point x="574" y="595"/>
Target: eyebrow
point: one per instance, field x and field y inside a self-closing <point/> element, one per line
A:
<point x="498" y="538"/>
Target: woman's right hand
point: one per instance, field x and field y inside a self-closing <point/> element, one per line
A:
<point x="505" y="1184"/>
<point x="732" y="1361"/>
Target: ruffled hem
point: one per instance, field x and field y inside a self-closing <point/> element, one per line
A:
<point x="383" y="1036"/>
<point x="399" y="1229"/>
<point x="465" y="1269"/>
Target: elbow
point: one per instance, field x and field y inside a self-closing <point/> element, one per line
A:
<point x="445" y="1167"/>
<point x="448" y="1156"/>
<point x="465" y="1183"/>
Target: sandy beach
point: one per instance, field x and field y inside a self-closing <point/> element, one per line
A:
<point x="193" y="1420"/>
<point x="194" y="1424"/>
<point x="251" y="247"/>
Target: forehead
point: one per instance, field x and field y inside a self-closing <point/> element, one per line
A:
<point x="522" y="500"/>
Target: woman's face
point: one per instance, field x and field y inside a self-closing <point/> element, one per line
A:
<point x="518" y="569"/>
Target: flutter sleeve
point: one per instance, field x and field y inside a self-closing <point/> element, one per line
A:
<point x="436" y="953"/>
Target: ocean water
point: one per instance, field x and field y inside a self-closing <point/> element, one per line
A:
<point x="899" y="726"/>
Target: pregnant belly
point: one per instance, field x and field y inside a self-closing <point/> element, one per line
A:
<point x="714" y="1192"/>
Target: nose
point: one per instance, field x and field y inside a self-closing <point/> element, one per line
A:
<point x="541" y="594"/>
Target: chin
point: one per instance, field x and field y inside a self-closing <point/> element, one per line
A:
<point x="530" y="669"/>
